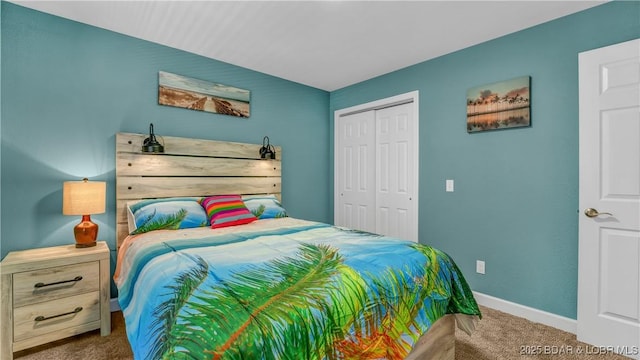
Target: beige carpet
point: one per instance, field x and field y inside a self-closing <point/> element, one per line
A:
<point x="502" y="336"/>
<point x="497" y="336"/>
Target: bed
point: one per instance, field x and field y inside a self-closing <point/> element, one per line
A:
<point x="265" y="285"/>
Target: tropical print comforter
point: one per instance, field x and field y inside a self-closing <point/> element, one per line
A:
<point x="282" y="289"/>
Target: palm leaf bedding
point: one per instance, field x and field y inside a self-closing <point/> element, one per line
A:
<point x="282" y="289"/>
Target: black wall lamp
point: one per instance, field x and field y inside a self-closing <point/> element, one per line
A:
<point x="150" y="144"/>
<point x="267" y="151"/>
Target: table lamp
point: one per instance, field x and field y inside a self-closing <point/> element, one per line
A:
<point x="84" y="198"/>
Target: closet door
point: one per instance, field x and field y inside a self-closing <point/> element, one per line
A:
<point x="396" y="150"/>
<point x="376" y="170"/>
<point x="355" y="171"/>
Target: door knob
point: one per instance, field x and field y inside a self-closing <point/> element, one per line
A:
<point x="591" y="212"/>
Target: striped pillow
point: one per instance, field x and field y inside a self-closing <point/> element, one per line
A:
<point x="227" y="210"/>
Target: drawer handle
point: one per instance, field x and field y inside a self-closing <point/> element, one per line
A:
<point x="43" y="318"/>
<point x="75" y="279"/>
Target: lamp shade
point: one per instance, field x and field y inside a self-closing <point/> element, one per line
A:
<point x="83" y="197"/>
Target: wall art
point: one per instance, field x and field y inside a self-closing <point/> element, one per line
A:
<point x="189" y="93"/>
<point x="501" y="105"/>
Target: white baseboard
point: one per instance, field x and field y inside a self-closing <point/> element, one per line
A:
<point x="114" y="305"/>
<point x="529" y="313"/>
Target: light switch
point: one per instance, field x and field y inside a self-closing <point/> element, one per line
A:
<point x="449" y="185"/>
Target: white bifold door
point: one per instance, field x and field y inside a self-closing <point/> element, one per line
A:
<point x="376" y="170"/>
<point x="609" y="215"/>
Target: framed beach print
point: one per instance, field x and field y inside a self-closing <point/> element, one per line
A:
<point x="501" y="105"/>
<point x="194" y="94"/>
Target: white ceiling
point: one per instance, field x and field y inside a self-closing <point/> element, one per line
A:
<point x="323" y="44"/>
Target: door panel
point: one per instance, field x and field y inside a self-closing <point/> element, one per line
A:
<point x="396" y="152"/>
<point x="609" y="244"/>
<point x="384" y="171"/>
<point x="402" y="148"/>
<point x="620" y="129"/>
<point x="619" y="253"/>
<point x="356" y="171"/>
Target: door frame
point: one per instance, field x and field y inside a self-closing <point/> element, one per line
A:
<point x="406" y="98"/>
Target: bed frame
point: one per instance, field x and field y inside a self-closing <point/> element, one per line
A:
<point x="197" y="167"/>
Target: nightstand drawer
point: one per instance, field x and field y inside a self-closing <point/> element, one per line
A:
<point x="31" y="287"/>
<point x="43" y="318"/>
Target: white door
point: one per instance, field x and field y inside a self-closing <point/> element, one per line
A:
<point x="376" y="167"/>
<point x="395" y="151"/>
<point x="355" y="171"/>
<point x="609" y="244"/>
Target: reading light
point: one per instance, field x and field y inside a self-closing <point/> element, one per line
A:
<point x="84" y="198"/>
<point x="150" y="144"/>
<point x="267" y="151"/>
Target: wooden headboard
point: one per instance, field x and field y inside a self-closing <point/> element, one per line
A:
<point x="189" y="167"/>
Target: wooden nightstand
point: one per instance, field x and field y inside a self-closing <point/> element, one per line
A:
<point x="51" y="293"/>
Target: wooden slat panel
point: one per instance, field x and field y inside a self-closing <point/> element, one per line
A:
<point x="127" y="142"/>
<point x="121" y="232"/>
<point x="164" y="165"/>
<point x="152" y="187"/>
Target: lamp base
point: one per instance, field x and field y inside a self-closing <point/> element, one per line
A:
<point x="86" y="232"/>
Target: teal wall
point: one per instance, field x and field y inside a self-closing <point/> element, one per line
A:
<point x="515" y="203"/>
<point x="68" y="88"/>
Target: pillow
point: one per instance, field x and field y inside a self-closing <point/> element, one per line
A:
<point x="264" y="206"/>
<point x="167" y="214"/>
<point x="227" y="210"/>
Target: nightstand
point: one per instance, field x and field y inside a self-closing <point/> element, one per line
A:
<point x="51" y="293"/>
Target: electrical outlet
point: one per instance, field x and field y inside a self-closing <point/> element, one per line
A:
<point x="480" y="267"/>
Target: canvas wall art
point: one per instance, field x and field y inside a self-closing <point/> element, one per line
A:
<point x="189" y="93"/>
<point x="500" y="105"/>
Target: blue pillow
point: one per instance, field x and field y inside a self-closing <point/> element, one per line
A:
<point x="264" y="206"/>
<point x="166" y="214"/>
